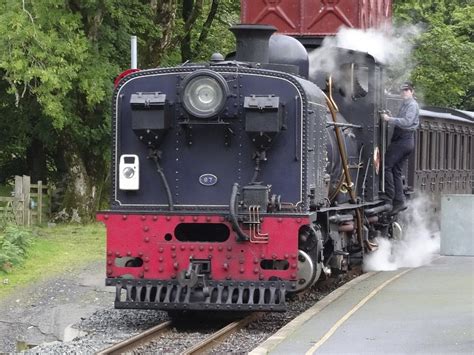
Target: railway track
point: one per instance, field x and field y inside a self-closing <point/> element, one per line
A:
<point x="146" y="338"/>
<point x="172" y="332"/>
<point x="138" y="340"/>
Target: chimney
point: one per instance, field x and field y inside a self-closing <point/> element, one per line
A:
<point x="252" y="42"/>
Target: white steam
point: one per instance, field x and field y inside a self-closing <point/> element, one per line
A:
<point x="418" y="246"/>
<point x="391" y="47"/>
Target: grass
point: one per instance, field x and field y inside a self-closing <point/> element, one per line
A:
<point x="56" y="250"/>
<point x="5" y="190"/>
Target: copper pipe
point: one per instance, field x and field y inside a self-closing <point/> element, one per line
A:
<point x="342" y="152"/>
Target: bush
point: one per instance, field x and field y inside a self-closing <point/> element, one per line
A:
<point x="14" y="243"/>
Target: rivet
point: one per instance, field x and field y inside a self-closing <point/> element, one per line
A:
<point x="168" y="218"/>
<point x="124" y="217"/>
<point x="208" y="218"/>
<point x="293" y="276"/>
<point x="109" y="272"/>
<point x="220" y="248"/>
<point x="211" y="248"/>
<point x="293" y="256"/>
<point x="274" y="256"/>
<point x="146" y="229"/>
<point x="255" y="261"/>
<point x="181" y="218"/>
<point x="262" y="256"/>
<point x="117" y="254"/>
<point x="155" y="218"/>
<point x="173" y="255"/>
<point x="140" y="254"/>
<point x="298" y="220"/>
<point x="286" y="256"/>
<point x="109" y="253"/>
<point x="129" y="253"/>
<point x="147" y="239"/>
<point x="280" y="220"/>
<point x="241" y="270"/>
<point x="147" y="259"/>
<point x="160" y="259"/>
<point x="106" y="216"/>
<point x="191" y="247"/>
<point x="241" y="261"/>
<point x="261" y="277"/>
<point x="141" y="275"/>
<point x="255" y="271"/>
<point x="176" y="265"/>
<point x="182" y="247"/>
<point x="293" y="266"/>
<point x="109" y="262"/>
<point x="229" y="248"/>
<point x="160" y="269"/>
<point x="146" y="268"/>
<point x="229" y="256"/>
<point x="173" y="247"/>
<point x="225" y="266"/>
<point x="201" y="248"/>
<point x="195" y="218"/>
<point x="143" y="218"/>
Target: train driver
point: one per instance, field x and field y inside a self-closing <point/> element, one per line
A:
<point x="401" y="145"/>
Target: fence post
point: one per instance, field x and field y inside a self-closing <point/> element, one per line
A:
<point x="40" y="201"/>
<point x="18" y="200"/>
<point x="26" y="199"/>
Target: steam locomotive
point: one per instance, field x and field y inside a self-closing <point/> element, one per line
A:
<point x="242" y="180"/>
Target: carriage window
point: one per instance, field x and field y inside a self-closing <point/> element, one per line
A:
<point x="462" y="152"/>
<point x="447" y="161"/>
<point x="455" y="152"/>
<point x="439" y="151"/>
<point x="469" y="153"/>
<point x="420" y="151"/>
<point x="431" y="146"/>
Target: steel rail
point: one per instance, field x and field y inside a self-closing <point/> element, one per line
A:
<point x="134" y="342"/>
<point x="221" y="335"/>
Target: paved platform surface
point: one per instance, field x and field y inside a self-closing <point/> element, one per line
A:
<point x="428" y="310"/>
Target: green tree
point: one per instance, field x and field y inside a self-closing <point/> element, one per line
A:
<point x="58" y="60"/>
<point x="444" y="53"/>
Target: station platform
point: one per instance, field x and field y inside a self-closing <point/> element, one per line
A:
<point x="424" y="310"/>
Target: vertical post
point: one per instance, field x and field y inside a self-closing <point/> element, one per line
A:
<point x="133" y="52"/>
<point x="40" y="201"/>
<point x="26" y="200"/>
<point x="18" y="200"/>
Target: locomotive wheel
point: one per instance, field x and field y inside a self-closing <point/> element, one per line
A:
<point x="307" y="271"/>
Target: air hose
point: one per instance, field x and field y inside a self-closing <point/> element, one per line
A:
<point x="233" y="214"/>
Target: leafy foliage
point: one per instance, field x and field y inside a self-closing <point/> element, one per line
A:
<point x="444" y="54"/>
<point x="14" y="243"/>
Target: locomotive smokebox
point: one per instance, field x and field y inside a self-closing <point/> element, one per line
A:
<point x="252" y="42"/>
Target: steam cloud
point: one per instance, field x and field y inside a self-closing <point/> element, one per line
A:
<point x="392" y="48"/>
<point x="418" y="246"/>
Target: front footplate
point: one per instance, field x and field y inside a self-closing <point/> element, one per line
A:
<point x="217" y="295"/>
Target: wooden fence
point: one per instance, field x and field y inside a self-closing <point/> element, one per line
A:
<point x="29" y="203"/>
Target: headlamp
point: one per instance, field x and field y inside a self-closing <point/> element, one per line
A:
<point x="204" y="94"/>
